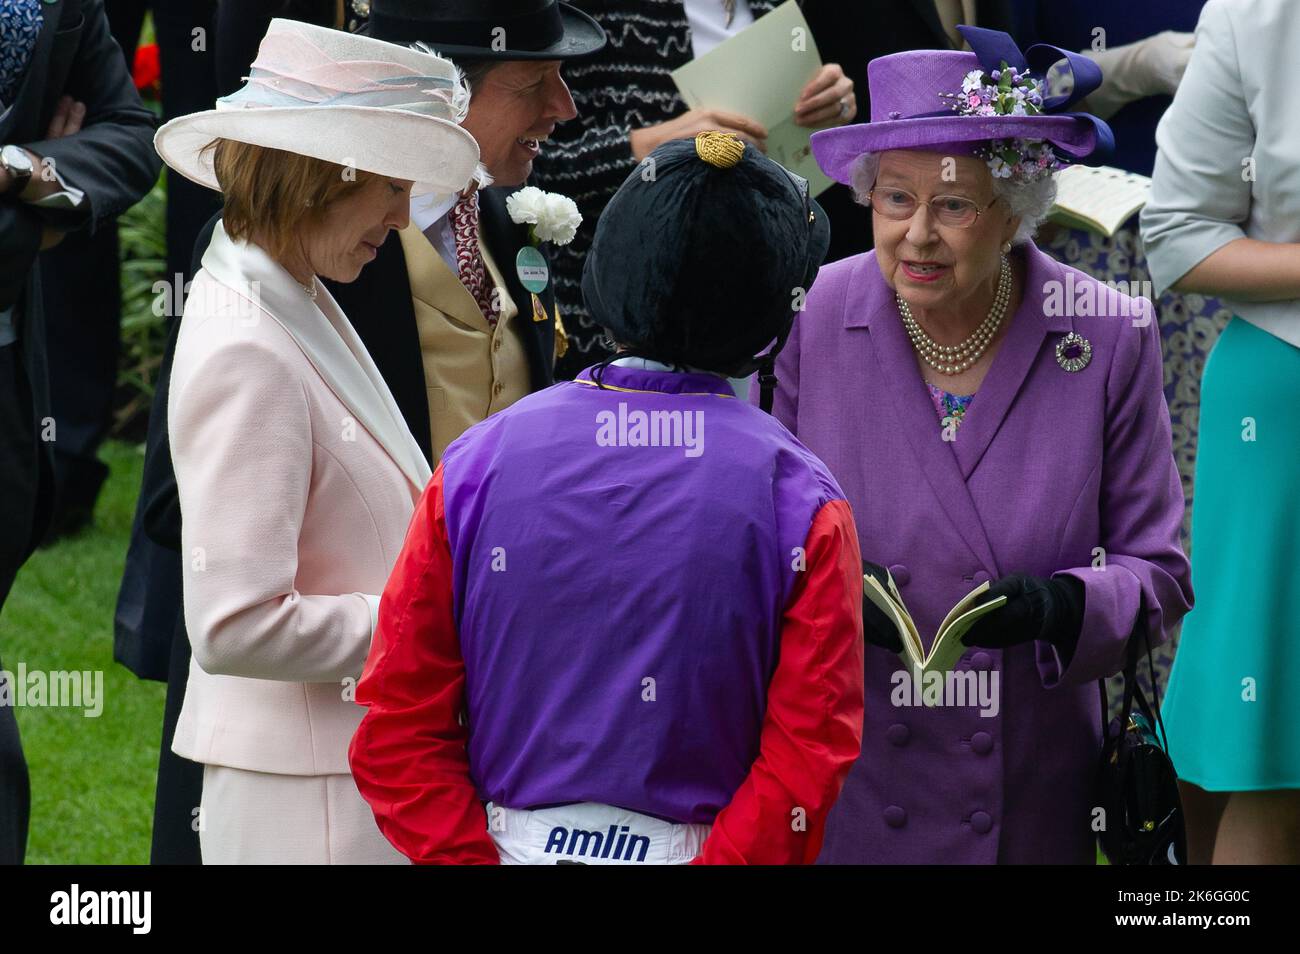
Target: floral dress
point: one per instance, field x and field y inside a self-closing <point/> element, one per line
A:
<point x="950" y="407"/>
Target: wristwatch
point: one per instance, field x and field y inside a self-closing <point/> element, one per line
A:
<point x="18" y="164"/>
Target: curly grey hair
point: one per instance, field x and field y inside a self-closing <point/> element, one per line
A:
<point x="1031" y="201"/>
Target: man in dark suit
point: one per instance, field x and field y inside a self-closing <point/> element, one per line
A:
<point x="450" y="349"/>
<point x="511" y="52"/>
<point x="82" y="275"/>
<point x="75" y="151"/>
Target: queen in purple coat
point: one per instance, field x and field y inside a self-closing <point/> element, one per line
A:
<point x="991" y="415"/>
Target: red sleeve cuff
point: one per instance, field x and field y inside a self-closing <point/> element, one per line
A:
<point x="812" y="731"/>
<point x="409" y="756"/>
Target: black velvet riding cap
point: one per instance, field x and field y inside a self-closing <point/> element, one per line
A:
<point x="701" y="256"/>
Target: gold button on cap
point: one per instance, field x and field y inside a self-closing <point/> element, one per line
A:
<point x="719" y="149"/>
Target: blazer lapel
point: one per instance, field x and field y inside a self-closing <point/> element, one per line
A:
<point x="503" y="238"/>
<point x="894" y="364"/>
<point x="509" y="303"/>
<point x="378" y="306"/>
<point x="1031" y="331"/>
<point x="433" y="283"/>
<point x="327" y="339"/>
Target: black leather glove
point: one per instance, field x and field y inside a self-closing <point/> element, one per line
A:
<point x="877" y="628"/>
<point x="1050" y="610"/>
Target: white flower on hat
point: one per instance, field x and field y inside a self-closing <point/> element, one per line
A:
<point x="973" y="81"/>
<point x="551" y="217"/>
<point x="1000" y="168"/>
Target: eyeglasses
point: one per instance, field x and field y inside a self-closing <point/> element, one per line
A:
<point x="954" y="211"/>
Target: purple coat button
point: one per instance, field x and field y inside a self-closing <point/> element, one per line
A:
<point x="898" y="734"/>
<point x="901" y="574"/>
<point x="981" y="577"/>
<point x="981" y="661"/>
<point x="981" y="743"/>
<point x="895" y="817"/>
<point x="982" y="822"/>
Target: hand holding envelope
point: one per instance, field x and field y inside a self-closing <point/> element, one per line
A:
<point x="771" y="75"/>
<point x="827" y="96"/>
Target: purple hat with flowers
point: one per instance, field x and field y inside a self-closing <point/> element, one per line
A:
<point x="992" y="102"/>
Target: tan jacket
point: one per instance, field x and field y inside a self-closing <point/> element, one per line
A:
<point x="471" y="369"/>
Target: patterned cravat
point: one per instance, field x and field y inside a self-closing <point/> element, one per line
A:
<point x="469" y="260"/>
<point x="20" y="25"/>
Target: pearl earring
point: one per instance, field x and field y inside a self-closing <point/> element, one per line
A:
<point x="1006" y="247"/>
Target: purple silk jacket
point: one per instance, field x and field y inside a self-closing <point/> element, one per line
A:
<point x="1047" y="466"/>
<point x="619" y="639"/>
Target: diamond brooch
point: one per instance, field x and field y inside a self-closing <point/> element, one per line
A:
<point x="1073" y="352"/>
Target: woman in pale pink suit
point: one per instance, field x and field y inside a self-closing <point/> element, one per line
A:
<point x="296" y="473"/>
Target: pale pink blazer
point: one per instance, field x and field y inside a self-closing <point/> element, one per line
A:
<point x="297" y="477"/>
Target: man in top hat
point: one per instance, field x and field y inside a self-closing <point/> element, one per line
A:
<point x="442" y="310"/>
<point x="444" y="300"/>
<point x="642" y="594"/>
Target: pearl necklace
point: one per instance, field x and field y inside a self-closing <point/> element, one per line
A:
<point x="311" y="289"/>
<point x="954" y="359"/>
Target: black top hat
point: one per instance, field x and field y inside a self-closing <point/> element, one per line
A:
<point x="699" y="257"/>
<point x="488" y="29"/>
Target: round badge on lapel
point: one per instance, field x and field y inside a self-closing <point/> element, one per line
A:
<point x="532" y="270"/>
<point x="1073" y="352"/>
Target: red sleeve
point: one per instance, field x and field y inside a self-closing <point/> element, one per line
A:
<point x="408" y="756"/>
<point x="812" y="732"/>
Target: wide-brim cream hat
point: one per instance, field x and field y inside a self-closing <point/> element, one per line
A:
<point x="351" y="100"/>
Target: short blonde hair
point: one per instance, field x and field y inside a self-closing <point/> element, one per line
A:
<point x="272" y="193"/>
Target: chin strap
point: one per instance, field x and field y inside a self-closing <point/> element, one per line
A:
<point x="767" y="383"/>
<point x="766" y="368"/>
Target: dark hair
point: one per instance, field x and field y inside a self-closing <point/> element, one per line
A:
<point x="473" y="69"/>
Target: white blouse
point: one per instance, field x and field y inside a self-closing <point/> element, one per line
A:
<point x="1228" y="165"/>
<point x="708" y="21"/>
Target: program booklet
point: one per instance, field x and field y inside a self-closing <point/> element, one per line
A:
<point x="759" y="73"/>
<point x="947" y="647"/>
<point x="1098" y="198"/>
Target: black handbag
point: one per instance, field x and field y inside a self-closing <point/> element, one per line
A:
<point x="1143" y="822"/>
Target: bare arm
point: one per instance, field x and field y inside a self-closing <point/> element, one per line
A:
<point x="1247" y="269"/>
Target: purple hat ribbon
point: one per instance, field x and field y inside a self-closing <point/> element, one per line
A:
<point x="993" y="47"/>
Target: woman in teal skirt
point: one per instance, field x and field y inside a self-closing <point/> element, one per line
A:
<point x="1224" y="220"/>
<point x="1231" y="711"/>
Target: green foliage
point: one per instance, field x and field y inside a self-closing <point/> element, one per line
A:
<point x="142" y="234"/>
<point x="92" y="778"/>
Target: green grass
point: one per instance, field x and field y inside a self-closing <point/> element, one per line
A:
<point x="92" y="778"/>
